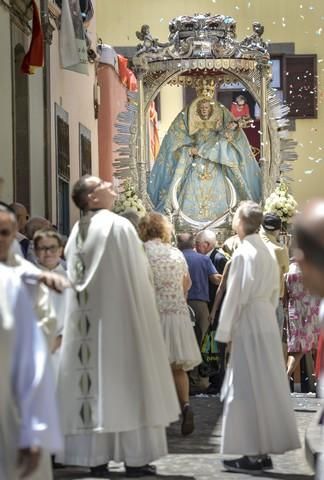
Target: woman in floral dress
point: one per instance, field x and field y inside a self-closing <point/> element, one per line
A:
<point x="302" y="319"/>
<point x="172" y="282"/>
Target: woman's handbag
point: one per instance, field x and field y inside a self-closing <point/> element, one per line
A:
<point x="211" y="354"/>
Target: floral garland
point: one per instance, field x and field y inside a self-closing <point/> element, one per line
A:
<point x="129" y="201"/>
<point x="281" y="203"/>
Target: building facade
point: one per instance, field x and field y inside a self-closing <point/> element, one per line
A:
<point x="49" y="136"/>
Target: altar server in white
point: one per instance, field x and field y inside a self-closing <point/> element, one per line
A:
<point x="29" y="425"/>
<point x="259" y="418"/>
<point x="115" y="384"/>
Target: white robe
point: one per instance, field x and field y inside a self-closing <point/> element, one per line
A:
<point x="59" y="303"/>
<point x="39" y="294"/>
<point x="259" y="417"/>
<point x="115" y="384"/>
<point x="28" y="412"/>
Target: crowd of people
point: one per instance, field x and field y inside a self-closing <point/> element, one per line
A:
<point x="101" y="343"/>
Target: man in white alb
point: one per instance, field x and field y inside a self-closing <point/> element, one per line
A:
<point x="29" y="424"/>
<point x="115" y="385"/>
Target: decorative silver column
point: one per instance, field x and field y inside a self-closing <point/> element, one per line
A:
<point x="141" y="149"/>
<point x="264" y="138"/>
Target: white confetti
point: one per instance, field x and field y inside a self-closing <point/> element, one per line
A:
<point x="308" y="172"/>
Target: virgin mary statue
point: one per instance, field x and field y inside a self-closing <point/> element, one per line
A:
<point x="203" y="150"/>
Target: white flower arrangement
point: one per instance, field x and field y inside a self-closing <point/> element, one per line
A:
<point x="281" y="203"/>
<point x="129" y="201"/>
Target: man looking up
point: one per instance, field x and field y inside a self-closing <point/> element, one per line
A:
<point x="115" y="384"/>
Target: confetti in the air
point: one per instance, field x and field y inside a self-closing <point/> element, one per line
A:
<point x="308" y="172"/>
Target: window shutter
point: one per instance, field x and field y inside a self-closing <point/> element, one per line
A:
<point x="300" y="85"/>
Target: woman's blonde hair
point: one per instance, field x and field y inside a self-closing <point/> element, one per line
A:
<point x="154" y="225"/>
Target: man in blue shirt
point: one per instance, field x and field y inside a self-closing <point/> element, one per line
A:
<point x="202" y="271"/>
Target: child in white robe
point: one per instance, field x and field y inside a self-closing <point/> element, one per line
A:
<point x="48" y="249"/>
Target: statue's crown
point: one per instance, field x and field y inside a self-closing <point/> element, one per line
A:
<point x="219" y="25"/>
<point x="205" y="87"/>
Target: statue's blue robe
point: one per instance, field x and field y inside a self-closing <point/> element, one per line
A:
<point x="201" y="189"/>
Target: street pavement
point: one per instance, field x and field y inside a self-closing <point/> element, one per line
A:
<point x="197" y="456"/>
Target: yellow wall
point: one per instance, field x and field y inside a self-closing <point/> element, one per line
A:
<point x="298" y="21"/>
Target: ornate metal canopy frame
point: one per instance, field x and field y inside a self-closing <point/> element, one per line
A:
<point x="204" y="46"/>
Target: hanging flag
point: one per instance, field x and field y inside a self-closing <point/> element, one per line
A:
<point x="73" y="48"/>
<point x="35" y="56"/>
<point x="126" y="75"/>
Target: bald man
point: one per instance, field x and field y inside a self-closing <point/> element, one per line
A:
<point x="22" y="217"/>
<point x="309" y="227"/>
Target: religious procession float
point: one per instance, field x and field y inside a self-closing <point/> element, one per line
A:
<point x="213" y="155"/>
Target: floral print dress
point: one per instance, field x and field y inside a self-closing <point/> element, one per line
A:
<point x="303" y="314"/>
<point x="169" y="267"/>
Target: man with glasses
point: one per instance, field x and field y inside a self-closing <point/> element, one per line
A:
<point x="115" y="384"/>
<point x="48" y="247"/>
